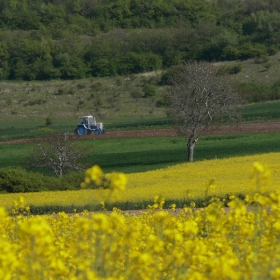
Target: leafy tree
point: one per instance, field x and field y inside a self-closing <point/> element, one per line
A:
<point x="265" y="26"/>
<point x="200" y="95"/>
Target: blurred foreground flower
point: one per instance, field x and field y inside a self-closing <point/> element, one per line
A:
<point x="114" y="181"/>
<point x="260" y="176"/>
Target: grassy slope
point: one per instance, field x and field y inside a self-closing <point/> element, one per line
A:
<point x="24" y="105"/>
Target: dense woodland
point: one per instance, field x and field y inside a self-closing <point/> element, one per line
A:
<point x="72" y="39"/>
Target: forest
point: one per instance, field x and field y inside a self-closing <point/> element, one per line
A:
<point x="74" y="39"/>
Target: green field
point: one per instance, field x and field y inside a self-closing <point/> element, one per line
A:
<point x="259" y="112"/>
<point x="113" y="100"/>
<point x="16" y="128"/>
<point x="136" y="155"/>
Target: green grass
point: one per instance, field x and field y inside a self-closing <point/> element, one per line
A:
<point x="137" y="155"/>
<point x="266" y="72"/>
<point x="134" y="155"/>
<point x="268" y="111"/>
<point x="34" y="128"/>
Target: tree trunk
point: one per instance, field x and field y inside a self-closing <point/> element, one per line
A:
<point x="191" y="145"/>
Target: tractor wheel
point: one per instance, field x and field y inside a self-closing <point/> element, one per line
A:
<point x="81" y="130"/>
<point x="96" y="132"/>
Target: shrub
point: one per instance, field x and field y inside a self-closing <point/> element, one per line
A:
<point x="61" y="91"/>
<point x="137" y="94"/>
<point x="253" y="92"/>
<point x="167" y="77"/>
<point x="16" y="180"/>
<point x="149" y="90"/>
<point x="231" y="69"/>
<point x="70" y="181"/>
<point x="249" y="50"/>
<point x="36" y="102"/>
<point x="275" y="91"/>
<point x="48" y="122"/>
<point x="96" y="86"/>
<point x="261" y="59"/>
<point x="160" y="103"/>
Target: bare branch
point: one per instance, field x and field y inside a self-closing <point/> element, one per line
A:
<point x="200" y="96"/>
<point x="58" y="154"/>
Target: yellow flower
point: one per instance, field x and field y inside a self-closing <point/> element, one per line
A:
<point x="116" y="181"/>
<point x="260" y="175"/>
<point x="95" y="173"/>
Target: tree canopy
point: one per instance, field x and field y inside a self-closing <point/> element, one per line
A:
<point x="66" y="39"/>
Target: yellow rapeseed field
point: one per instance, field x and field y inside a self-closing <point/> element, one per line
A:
<point x="208" y="243"/>
<point x="231" y="176"/>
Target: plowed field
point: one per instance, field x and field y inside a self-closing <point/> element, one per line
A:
<point x="213" y="130"/>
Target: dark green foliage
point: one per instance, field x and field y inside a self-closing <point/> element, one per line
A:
<point x="149" y="90"/>
<point x="160" y="103"/>
<point x="257" y="92"/>
<point x="168" y="76"/>
<point x="43" y="40"/>
<point x="15" y="180"/>
<point x="48" y="122"/>
<point x="71" y="181"/>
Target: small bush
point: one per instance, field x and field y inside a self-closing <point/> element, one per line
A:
<point x="36" y="102"/>
<point x="261" y="58"/>
<point x="230" y="69"/>
<point x="48" y="122"/>
<point x="275" y="91"/>
<point x="71" y="91"/>
<point x="137" y="94"/>
<point x="254" y="92"/>
<point x="160" y="103"/>
<point x="96" y="86"/>
<point x="167" y="77"/>
<point x="61" y="91"/>
<point x="149" y="90"/>
<point x="81" y="86"/>
<point x="70" y="181"/>
<point x="119" y="81"/>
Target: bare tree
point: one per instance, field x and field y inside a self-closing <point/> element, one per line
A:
<point x="201" y="95"/>
<point x="57" y="153"/>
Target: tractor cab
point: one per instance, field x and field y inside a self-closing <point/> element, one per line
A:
<point x="88" y="124"/>
<point x="87" y="120"/>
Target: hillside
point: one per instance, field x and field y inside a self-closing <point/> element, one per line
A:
<point x="134" y="97"/>
<point x="62" y="59"/>
<point x="46" y="40"/>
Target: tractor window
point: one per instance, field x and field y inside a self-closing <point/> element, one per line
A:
<point x="90" y="120"/>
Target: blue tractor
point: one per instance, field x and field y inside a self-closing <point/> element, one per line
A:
<point x="87" y="125"/>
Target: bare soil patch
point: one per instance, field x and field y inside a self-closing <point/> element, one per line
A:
<point x="213" y="130"/>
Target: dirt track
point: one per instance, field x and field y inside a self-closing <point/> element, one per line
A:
<point x="227" y="129"/>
